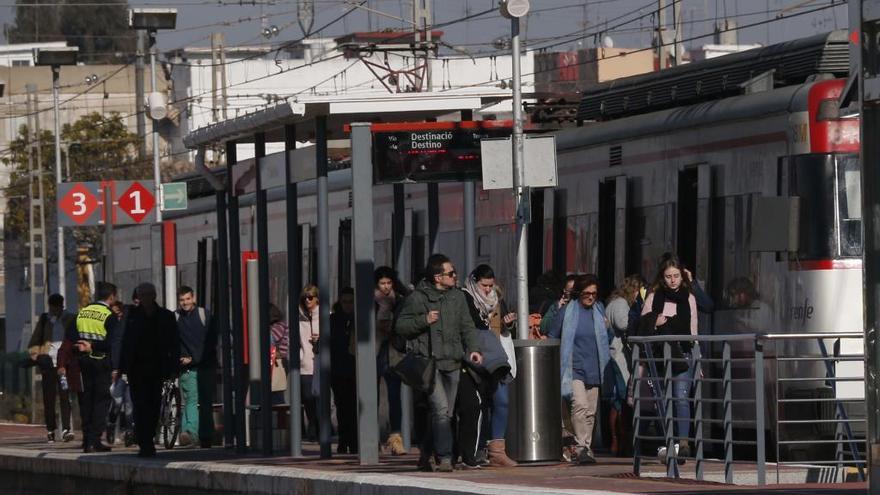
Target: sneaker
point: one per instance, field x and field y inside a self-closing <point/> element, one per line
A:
<point x="445" y="466"/>
<point x="50" y="437"/>
<point x="185" y="439"/>
<point x="467" y="467"/>
<point x="683" y="451"/>
<point x="426" y="464"/>
<point x="586" y="457"/>
<point x="67" y="435"/>
<point x="128" y="438"/>
<point x="482" y="457"/>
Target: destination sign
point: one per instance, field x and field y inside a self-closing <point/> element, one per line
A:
<point x="431" y="151"/>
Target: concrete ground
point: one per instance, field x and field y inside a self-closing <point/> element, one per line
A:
<point x="29" y="466"/>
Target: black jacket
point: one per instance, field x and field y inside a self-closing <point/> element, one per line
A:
<point x="150" y="345"/>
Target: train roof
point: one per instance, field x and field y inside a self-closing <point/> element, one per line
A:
<point x="789" y="63"/>
<point x="738" y="108"/>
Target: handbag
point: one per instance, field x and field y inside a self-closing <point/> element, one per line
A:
<point x="417" y="370"/>
<point x="279" y="376"/>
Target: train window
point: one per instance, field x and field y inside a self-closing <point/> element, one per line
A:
<point x="849" y="200"/>
<point x="830" y="205"/>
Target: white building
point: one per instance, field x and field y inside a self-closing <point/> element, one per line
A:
<point x="22" y="54"/>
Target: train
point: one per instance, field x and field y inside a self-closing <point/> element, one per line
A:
<point x="758" y="193"/>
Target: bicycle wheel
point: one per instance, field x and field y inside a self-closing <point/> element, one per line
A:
<point x="169" y="419"/>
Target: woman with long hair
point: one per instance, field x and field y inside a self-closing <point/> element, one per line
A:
<point x="616" y="378"/>
<point x="278" y="333"/>
<point x="308" y="335"/>
<point x="488" y="392"/>
<point x="671" y="309"/>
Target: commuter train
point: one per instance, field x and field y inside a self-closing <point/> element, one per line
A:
<point x="757" y="193"/>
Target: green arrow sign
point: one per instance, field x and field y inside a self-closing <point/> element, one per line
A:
<point x="174" y="196"/>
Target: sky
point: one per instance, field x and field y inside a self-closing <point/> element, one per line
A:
<point x="629" y="23"/>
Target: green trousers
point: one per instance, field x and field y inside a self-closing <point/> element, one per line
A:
<point x="197" y="389"/>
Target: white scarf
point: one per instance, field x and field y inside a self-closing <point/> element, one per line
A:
<point x="485" y="303"/>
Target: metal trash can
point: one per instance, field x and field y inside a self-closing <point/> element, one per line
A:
<point x="534" y="428"/>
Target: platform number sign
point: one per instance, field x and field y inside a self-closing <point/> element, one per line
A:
<point x="81" y="204"/>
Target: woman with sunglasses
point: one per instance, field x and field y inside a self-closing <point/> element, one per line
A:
<point x="583" y="359"/>
<point x="308" y="336"/>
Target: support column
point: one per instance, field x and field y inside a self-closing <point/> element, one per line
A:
<point x="470" y="215"/>
<point x="323" y="358"/>
<point x="221" y="317"/>
<point x="235" y="304"/>
<point x="398" y="234"/>
<point x="169" y="244"/>
<point x="265" y="395"/>
<point x="294" y="285"/>
<point x="365" y="321"/>
<point x="433" y="218"/>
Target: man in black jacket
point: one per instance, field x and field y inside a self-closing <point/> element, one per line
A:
<point x="150" y="355"/>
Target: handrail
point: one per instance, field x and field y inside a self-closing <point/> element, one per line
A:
<point x="745" y="337"/>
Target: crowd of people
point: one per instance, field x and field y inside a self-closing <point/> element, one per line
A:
<point x="460" y="333"/>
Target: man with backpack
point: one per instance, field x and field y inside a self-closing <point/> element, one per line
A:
<point x="198" y="361"/>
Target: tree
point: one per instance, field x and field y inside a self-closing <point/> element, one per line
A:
<point x="99" y="28"/>
<point x="100" y="148"/>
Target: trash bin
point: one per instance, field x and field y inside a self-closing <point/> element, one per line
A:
<point x="534" y="427"/>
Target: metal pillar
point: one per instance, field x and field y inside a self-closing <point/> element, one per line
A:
<point x="294" y="285"/>
<point x="469" y="197"/>
<point x="323" y="364"/>
<point x="221" y="317"/>
<point x="58" y="179"/>
<point x="398" y="234"/>
<point x="522" y="193"/>
<point x="140" y="98"/>
<point x="109" y="265"/>
<point x="433" y="218"/>
<point x="157" y="174"/>
<point x="169" y="256"/>
<point x="262" y="309"/>
<point x="365" y="321"/>
<point x="235" y="304"/>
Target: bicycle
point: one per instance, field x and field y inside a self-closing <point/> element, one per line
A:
<point x="170" y="413"/>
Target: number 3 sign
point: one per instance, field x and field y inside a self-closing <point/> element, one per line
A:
<point x="82" y="203"/>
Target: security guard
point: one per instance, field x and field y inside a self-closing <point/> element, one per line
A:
<point x="94" y="333"/>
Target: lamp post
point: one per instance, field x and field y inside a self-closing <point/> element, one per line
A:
<point x="514" y="10"/>
<point x="152" y="20"/>
<point x="55" y="58"/>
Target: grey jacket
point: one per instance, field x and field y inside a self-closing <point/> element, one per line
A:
<point x="453" y="335"/>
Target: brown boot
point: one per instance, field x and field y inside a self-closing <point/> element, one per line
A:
<point x="614" y="426"/>
<point x="395" y="444"/>
<point x="498" y="455"/>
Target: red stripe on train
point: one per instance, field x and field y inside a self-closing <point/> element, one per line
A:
<point x="815" y="265"/>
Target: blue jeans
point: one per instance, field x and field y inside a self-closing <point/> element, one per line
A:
<point x="499" y="412"/>
<point x="442" y="404"/>
<point x="681" y="390"/>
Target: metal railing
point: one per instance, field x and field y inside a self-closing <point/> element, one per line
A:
<point x="729" y="390"/>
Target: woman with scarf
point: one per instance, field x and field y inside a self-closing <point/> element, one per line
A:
<point x="309" y="331"/>
<point x="388" y="295"/>
<point x="583" y="360"/>
<point x="671" y="309"/>
<point x="482" y="390"/>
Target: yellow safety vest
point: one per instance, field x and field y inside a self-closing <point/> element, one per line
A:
<point x="90" y="322"/>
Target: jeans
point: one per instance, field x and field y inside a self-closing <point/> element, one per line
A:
<point x="310" y="406"/>
<point x="189" y="391"/>
<point x="681" y="389"/>
<point x="441" y="403"/>
<point x="51" y="389"/>
<point x="392" y="384"/>
<point x="499" y="412"/>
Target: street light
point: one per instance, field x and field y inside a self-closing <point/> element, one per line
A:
<point x="55" y="58"/>
<point x="152" y="20"/>
<point x="513" y="10"/>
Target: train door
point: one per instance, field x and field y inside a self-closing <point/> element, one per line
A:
<point x="613" y="213"/>
<point x="693" y="219"/>
<point x="344" y="254"/>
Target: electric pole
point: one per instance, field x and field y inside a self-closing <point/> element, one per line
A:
<point x="139" y="97"/>
<point x="38" y="268"/>
<point x="422" y="21"/>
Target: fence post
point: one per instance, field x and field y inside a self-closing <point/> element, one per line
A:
<point x="728" y="415"/>
<point x="637" y="411"/>
<point x="671" y="455"/>
<point x="698" y="410"/>
<point x="759" y="412"/>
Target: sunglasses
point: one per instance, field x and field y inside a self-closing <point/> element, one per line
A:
<point x="448" y="274"/>
<point x="589" y="294"/>
<point x="309" y="298"/>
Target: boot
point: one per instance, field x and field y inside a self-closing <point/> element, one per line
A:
<point x="614" y="426"/>
<point x="395" y="444"/>
<point x="498" y="455"/>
